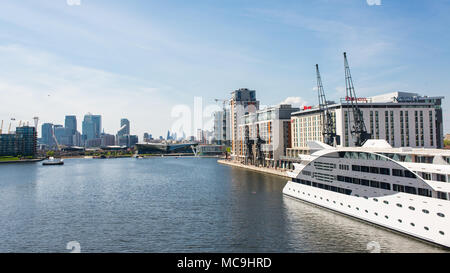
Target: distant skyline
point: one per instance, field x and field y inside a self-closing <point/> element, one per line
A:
<point x="139" y="59"/>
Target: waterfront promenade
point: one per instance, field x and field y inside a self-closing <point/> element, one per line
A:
<point x="254" y="168"/>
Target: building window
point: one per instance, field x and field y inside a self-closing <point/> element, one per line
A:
<point x="407" y="128"/>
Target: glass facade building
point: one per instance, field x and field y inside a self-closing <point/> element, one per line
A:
<point x="22" y="143"/>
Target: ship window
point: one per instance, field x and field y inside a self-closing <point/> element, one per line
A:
<point x="362" y="155"/>
<point x="441" y="232"/>
<point x="442" y="195"/>
<point x="385" y="186"/>
<point x="366" y="197"/>
<point x="365" y="169"/>
<point x="424" y="192"/>
<point x="374" y="170"/>
<point x="412" y="224"/>
<point x="366" y="211"/>
<point x="376" y="200"/>
<point x="409" y="174"/>
<point x="426" y="228"/>
<point x="410" y="190"/>
<point x="356" y="168"/>
<point x="441" y="214"/>
<point x="340" y="178"/>
<point x="349" y="206"/>
<point x="357" y="208"/>
<point x="399" y="188"/>
<point x="397" y="172"/>
<point x="400" y="220"/>
<point x="425" y="211"/>
<point x="387" y="217"/>
<point x="348" y="179"/>
<point x="412" y="208"/>
<point x="342" y="204"/>
<point x="376" y="214"/>
<point x="385" y="171"/>
<point x="374" y="184"/>
<point x="356" y="181"/>
<point x="386" y="202"/>
<point x="440" y="177"/>
<point x="365" y="182"/>
<point x="399" y="205"/>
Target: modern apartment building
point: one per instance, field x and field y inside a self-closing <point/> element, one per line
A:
<point x="265" y="135"/>
<point x="243" y="101"/>
<point x="22" y="143"/>
<point x="222" y="130"/>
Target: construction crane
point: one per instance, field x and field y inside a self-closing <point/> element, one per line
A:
<point x="358" y="129"/>
<point x="56" y="140"/>
<point x="328" y="131"/>
<point x="225" y="102"/>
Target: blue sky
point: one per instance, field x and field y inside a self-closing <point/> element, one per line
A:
<point x="139" y="59"/>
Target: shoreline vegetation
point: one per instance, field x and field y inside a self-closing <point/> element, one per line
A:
<point x="18" y="159"/>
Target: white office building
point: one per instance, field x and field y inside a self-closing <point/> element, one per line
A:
<point x="402" y="119"/>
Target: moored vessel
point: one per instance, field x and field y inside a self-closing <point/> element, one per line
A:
<point x="403" y="189"/>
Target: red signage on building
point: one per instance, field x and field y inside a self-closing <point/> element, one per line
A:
<point x="355" y="99"/>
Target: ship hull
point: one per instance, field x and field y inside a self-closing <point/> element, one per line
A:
<point x="384" y="212"/>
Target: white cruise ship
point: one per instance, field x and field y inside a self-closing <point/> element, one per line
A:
<point x="403" y="189"/>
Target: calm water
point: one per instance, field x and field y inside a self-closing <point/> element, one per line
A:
<point x="169" y="205"/>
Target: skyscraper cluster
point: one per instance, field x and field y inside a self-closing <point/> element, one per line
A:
<point x="91" y="136"/>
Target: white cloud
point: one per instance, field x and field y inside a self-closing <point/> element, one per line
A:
<point x="295" y="101"/>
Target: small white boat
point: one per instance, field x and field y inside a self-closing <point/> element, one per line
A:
<point x="52" y="161"/>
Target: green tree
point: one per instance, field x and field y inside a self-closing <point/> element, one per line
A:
<point x="447" y="142"/>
